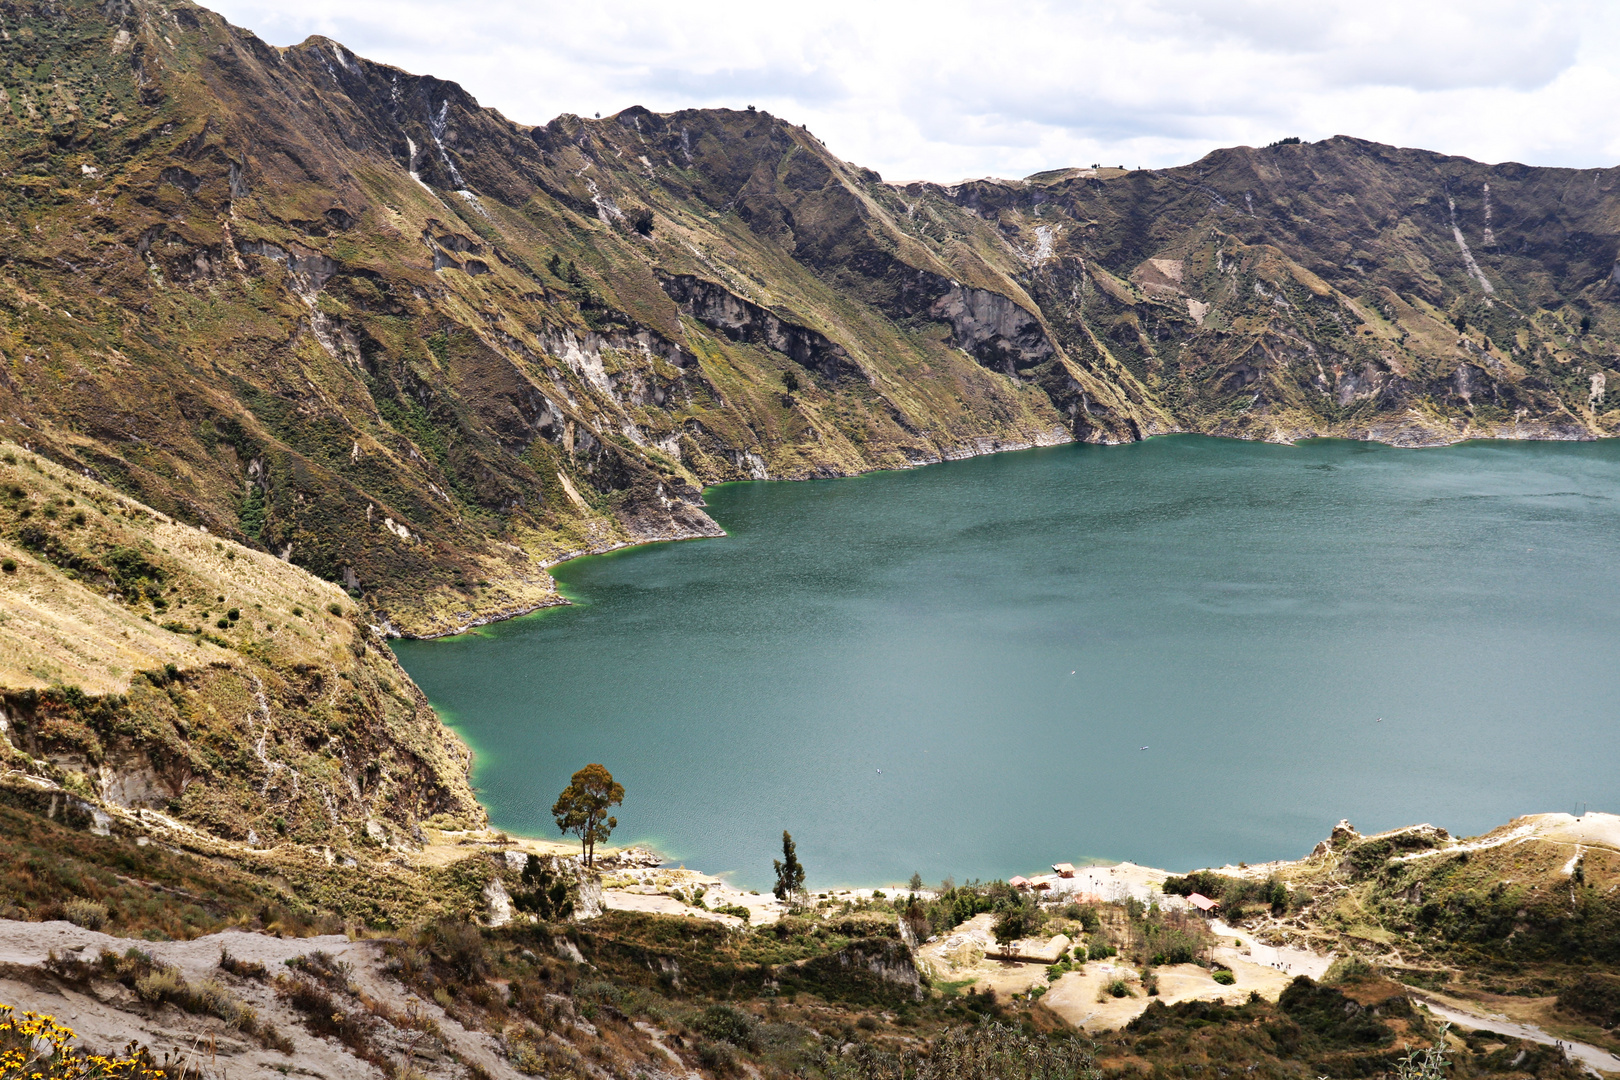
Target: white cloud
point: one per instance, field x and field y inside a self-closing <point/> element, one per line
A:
<point x="948" y="89"/>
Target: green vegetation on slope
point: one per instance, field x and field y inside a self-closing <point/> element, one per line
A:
<point x="148" y="667"/>
<point x="344" y="314"/>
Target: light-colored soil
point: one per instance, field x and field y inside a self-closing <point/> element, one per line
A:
<point x="108" y="1016"/>
<point x="1478" y="1017"/>
<point x="1106" y="883"/>
<point x="1075" y="996"/>
<point x="1591" y="829"/>
<point x="1286" y="961"/>
<point x="651" y="889"/>
<point x="969" y="953"/>
<point x="444" y="848"/>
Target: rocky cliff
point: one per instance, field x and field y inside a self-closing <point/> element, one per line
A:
<point x="344" y="315"/>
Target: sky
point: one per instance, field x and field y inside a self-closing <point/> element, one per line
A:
<point x="947" y="90"/>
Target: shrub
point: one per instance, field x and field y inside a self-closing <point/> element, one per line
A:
<point x="9" y="565"/>
<point x="85" y="913"/>
<point x="24" y="1037"/>
<point x="335" y="608"/>
<point x="728" y="1024"/>
<point x="1427" y="1064"/>
<point x="323" y="967"/>
<point x="718" y="1058"/>
<point x="1172" y="940"/>
<point x="546" y="893"/>
<point x="1224" y="976"/>
<point x="1084" y="914"/>
<point x="409" y="963"/>
<point x="325" y="1017"/>
<point x="244" y="969"/>
<point x="460" y="945"/>
<point x="1336" y="1019"/>
<point x="1347" y="969"/>
<point x="1118" y="988"/>
<point x="1595" y="996"/>
<point x="161" y="984"/>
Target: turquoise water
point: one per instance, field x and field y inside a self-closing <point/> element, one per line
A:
<point x="1001" y="636"/>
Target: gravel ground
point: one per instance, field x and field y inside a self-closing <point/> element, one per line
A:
<point x="107" y="1015"/>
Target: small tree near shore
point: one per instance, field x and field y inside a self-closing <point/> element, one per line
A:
<point x="582" y="808"/>
<point x="789" y="874"/>
<point x="1013" y="922"/>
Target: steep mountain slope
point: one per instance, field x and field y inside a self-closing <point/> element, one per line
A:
<point x="152" y="672"/>
<point x="345" y="315"/>
<point x="1341" y="288"/>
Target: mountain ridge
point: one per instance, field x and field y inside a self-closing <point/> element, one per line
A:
<point x="346" y="315"/>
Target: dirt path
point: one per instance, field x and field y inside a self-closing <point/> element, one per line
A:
<point x="107" y="1016"/>
<point x="1288" y="961"/>
<point x="1596" y="1059"/>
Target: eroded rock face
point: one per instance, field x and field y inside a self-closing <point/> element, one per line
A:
<point x="995" y="329"/>
<point x="588" y="901"/>
<point x="498" y="908"/>
<point x="888" y="960"/>
<point x="741" y="320"/>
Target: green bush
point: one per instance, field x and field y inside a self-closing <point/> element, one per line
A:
<point x="718" y="1058"/>
<point x="1347" y="969"/>
<point x="546" y="894"/>
<point x="9" y="566"/>
<point x="729" y="1024"/>
<point x="1328" y="1014"/>
<point x="1595" y="996"/>
<point x="1224" y="976"/>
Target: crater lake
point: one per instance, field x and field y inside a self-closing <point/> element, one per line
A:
<point x="1181" y="652"/>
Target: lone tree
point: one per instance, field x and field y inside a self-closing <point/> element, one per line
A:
<point x="582" y="808"/>
<point x="1013" y="922"/>
<point x="789" y="874"/>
